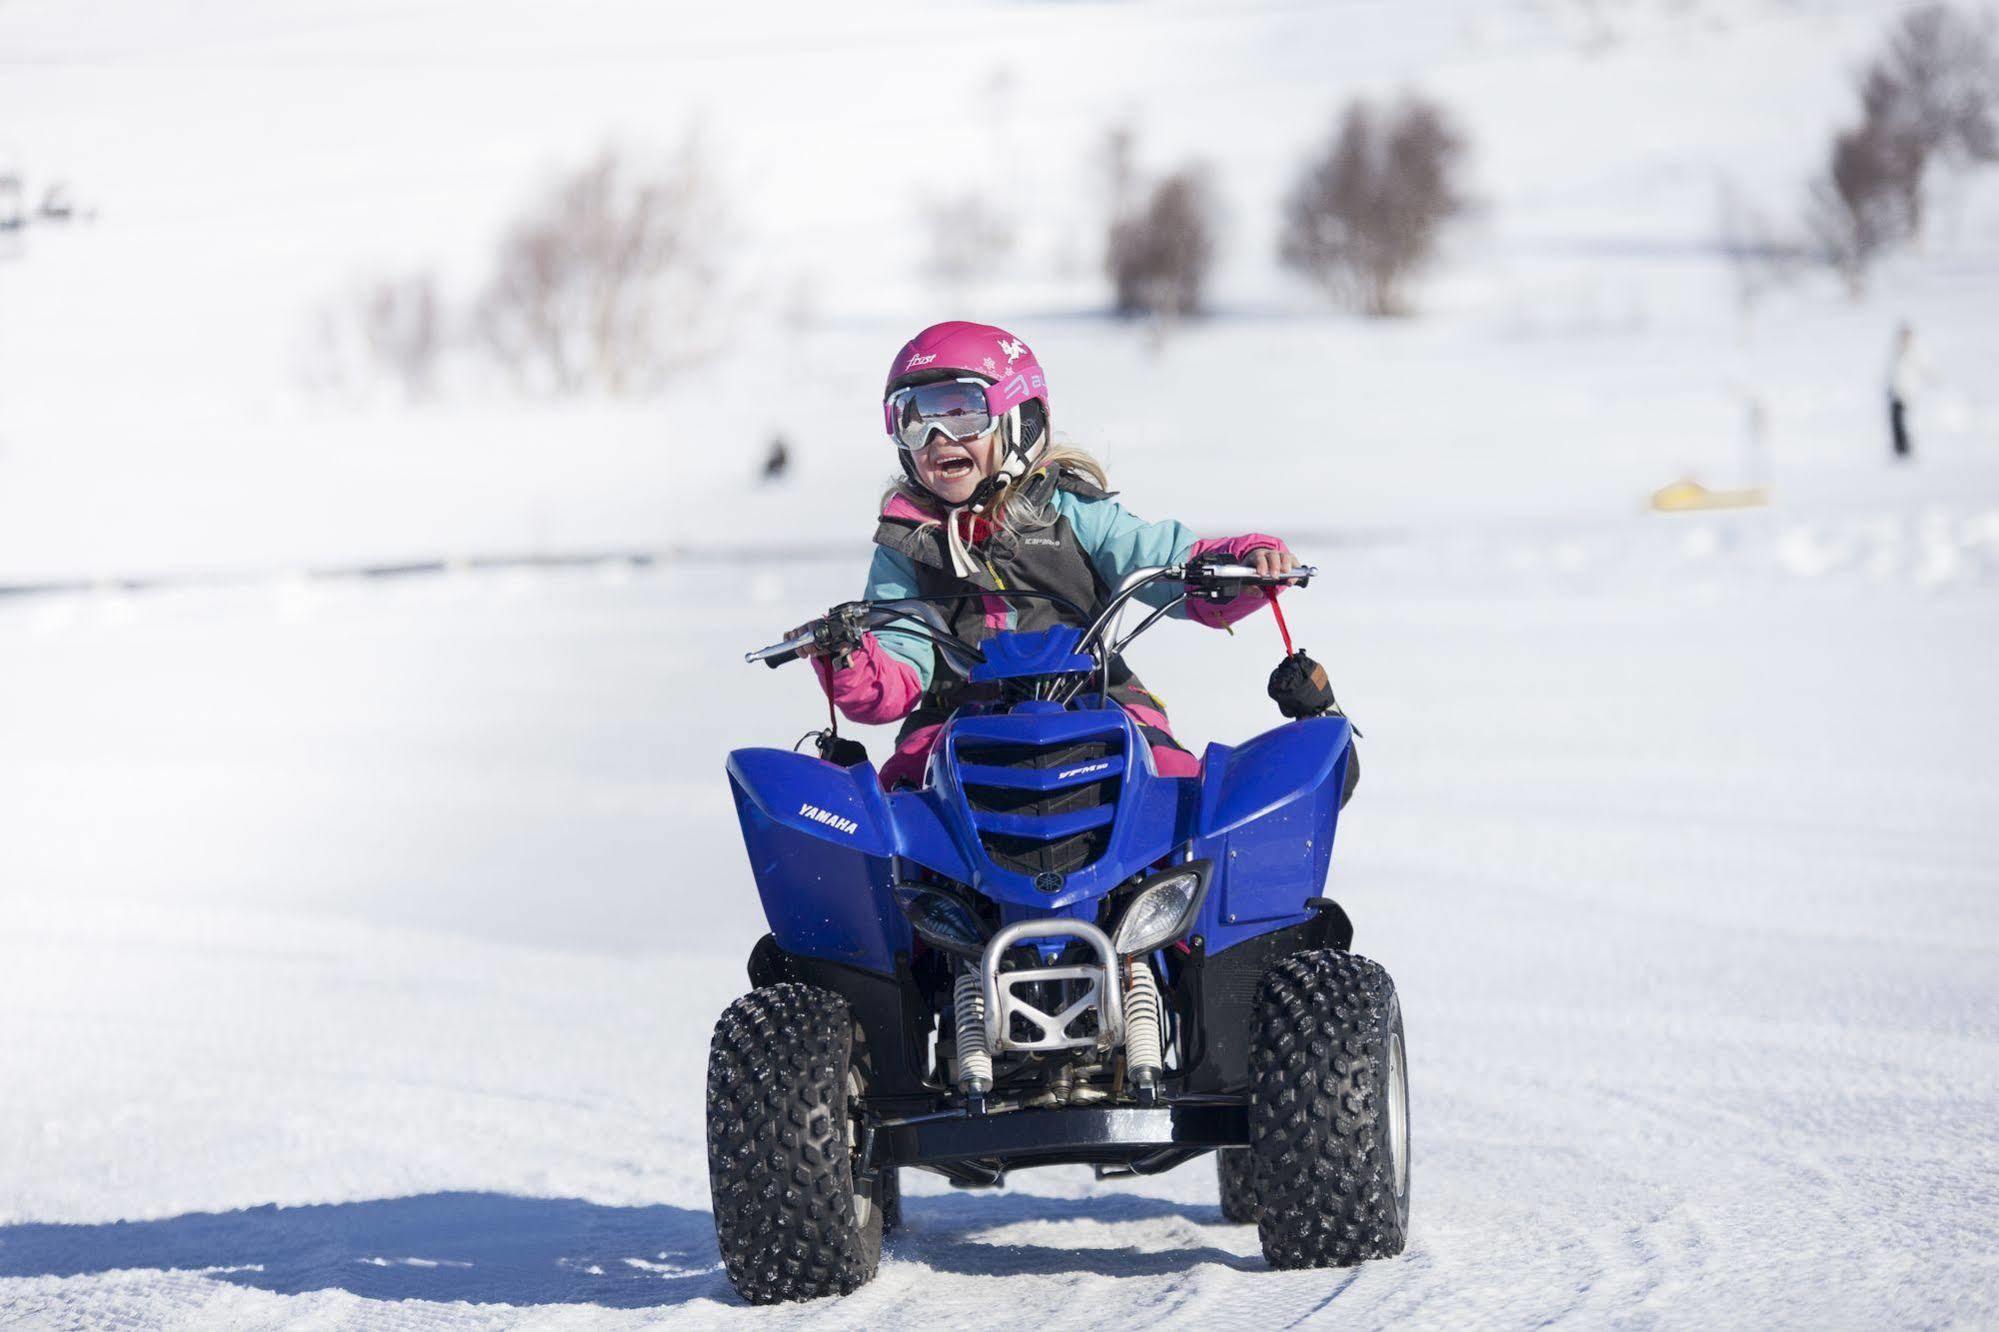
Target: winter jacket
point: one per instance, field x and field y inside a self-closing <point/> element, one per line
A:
<point x="1084" y="555"/>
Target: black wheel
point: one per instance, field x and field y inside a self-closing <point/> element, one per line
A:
<point x="786" y="1073"/>
<point x="1236" y="1169"/>
<point x="1329" y="1112"/>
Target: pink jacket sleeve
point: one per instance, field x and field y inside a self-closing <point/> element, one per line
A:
<point x="872" y="687"/>
<point x="1219" y="615"/>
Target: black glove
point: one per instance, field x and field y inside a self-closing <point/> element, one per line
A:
<point x="839" y="749"/>
<point x="1301" y="689"/>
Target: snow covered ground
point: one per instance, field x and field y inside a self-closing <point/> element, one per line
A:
<point x="360" y="939"/>
<point x="404" y="911"/>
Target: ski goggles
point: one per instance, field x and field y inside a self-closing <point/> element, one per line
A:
<point x="959" y="408"/>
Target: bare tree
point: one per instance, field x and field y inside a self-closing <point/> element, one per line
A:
<point x="1869" y="200"/>
<point x="1159" y="254"/>
<point x="388" y="329"/>
<point x="1930" y="96"/>
<point x="968" y="235"/>
<point x="1118" y="159"/>
<point x="1760" y="257"/>
<point x="1937" y="83"/>
<point x="1368" y="213"/>
<point x="402" y="327"/>
<point x="605" y="282"/>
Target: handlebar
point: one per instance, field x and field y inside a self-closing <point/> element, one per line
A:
<point x="1213" y="581"/>
<point x="777" y="654"/>
<point x="1246" y="573"/>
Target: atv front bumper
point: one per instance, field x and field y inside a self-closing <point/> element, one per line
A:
<point x="1142" y="1139"/>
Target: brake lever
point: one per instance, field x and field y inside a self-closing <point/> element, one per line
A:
<point x="835" y="632"/>
<point x="838" y="631"/>
<point x="1221" y="582"/>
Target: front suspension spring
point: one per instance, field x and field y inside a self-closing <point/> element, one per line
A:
<point x="975" y="1061"/>
<point x="1144" y="1043"/>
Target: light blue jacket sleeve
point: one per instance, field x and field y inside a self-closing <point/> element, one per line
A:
<point x="893" y="575"/>
<point x="1118" y="543"/>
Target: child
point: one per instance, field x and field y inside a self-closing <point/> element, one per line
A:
<point x="989" y="503"/>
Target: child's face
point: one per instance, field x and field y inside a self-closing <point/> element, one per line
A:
<point x="951" y="470"/>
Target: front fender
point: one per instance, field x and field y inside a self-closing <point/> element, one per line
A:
<point x="821" y="845"/>
<point x="1269" y="809"/>
<point x="1270" y="771"/>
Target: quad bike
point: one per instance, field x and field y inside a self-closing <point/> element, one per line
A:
<point x="1049" y="954"/>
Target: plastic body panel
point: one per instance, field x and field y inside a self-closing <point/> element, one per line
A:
<point x="821" y="845"/>
<point x="824" y="841"/>
<point x="1269" y="811"/>
<point x="1145" y="822"/>
<point x="1015" y="656"/>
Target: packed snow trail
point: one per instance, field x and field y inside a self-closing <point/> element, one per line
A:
<point x="392" y="1005"/>
<point x="359" y="943"/>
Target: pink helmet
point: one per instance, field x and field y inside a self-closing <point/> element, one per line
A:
<point x="1016" y="388"/>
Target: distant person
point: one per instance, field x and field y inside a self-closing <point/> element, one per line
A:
<point x="57" y="205"/>
<point x="778" y="461"/>
<point x="1906" y="371"/>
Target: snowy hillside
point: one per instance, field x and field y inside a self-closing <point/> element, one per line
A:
<point x="360" y="938"/>
<point x="1584" y="346"/>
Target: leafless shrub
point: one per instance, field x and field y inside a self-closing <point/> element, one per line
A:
<point x="402" y="325"/>
<point x="967" y="236"/>
<point x="605" y="282"/>
<point x="1760" y="257"/>
<point x="387" y="330"/>
<point x="1869" y="200"/>
<point x="1930" y="96"/>
<point x="1117" y="160"/>
<point x="1159" y="254"/>
<point x="1367" y="215"/>
<point x="1937" y="83"/>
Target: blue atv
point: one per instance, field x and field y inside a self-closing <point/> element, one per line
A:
<point x="1048" y="954"/>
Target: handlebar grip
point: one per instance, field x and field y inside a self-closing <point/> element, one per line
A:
<point x="778" y="654"/>
<point x="1246" y="573"/>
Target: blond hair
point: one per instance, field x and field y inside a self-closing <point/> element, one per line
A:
<point x="1014" y="512"/>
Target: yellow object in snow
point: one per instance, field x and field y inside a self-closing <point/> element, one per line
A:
<point x="1688" y="494"/>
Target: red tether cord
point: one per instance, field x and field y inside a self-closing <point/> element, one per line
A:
<point x="1270" y="595"/>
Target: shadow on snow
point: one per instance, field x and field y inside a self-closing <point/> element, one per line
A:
<point x="491" y="1248"/>
<point x="488" y="1248"/>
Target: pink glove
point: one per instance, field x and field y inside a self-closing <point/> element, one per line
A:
<point x="1219" y="615"/>
<point x="870" y="686"/>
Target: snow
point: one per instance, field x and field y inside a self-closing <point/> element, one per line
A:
<point x="362" y="936"/>
<point x="1689" y="903"/>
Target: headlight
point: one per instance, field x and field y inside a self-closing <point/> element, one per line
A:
<point x="1162" y="912"/>
<point x="942" y="920"/>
